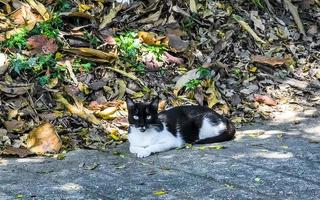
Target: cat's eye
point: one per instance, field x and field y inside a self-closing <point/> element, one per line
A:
<point x="149" y="117"/>
<point x="136" y="117"/>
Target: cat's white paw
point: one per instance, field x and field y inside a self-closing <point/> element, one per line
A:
<point x="143" y="153"/>
<point x="135" y="149"/>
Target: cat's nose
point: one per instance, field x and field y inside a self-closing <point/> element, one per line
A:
<point x="143" y="129"/>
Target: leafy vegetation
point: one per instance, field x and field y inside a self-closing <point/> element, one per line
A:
<point x="192" y="84"/>
<point x="18" y="40"/>
<point x="93" y="40"/>
<point x="49" y="28"/>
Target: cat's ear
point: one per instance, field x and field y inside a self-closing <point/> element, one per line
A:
<point x="154" y="103"/>
<point x="130" y="103"/>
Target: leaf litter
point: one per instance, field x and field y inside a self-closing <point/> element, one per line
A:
<point x="70" y="64"/>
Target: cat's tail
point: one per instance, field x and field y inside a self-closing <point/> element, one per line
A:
<point x="227" y="135"/>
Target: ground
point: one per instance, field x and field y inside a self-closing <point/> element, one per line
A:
<point x="276" y="159"/>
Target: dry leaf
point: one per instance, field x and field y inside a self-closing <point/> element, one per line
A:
<point x="78" y="110"/>
<point x="40" y="8"/>
<point x="44" y="139"/>
<point x="14" y="125"/>
<point x="4" y="63"/>
<point x="246" y="27"/>
<point x="107" y="19"/>
<point x="176" y="44"/>
<point x="214" y="95"/>
<point x="273" y="61"/>
<point x="265" y="100"/>
<point x="193" y="6"/>
<point x="88" y="52"/>
<point x="181" y="82"/>
<point x="147" y="38"/>
<point x="42" y="44"/>
<point x="294" y="12"/>
<point x="12" y="151"/>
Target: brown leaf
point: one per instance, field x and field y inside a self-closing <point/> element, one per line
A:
<point x="273" y="61"/>
<point x="40" y="8"/>
<point x="172" y="59"/>
<point x="12" y="151"/>
<point x="176" y="44"/>
<point x="147" y="38"/>
<point x="44" y="139"/>
<point x="265" y="100"/>
<point x="93" y="53"/>
<point x="14" y="90"/>
<point x="107" y="19"/>
<point x="77" y="109"/>
<point x="41" y="44"/>
<point x="14" y="125"/>
<point x="4" y="63"/>
<point x="295" y="14"/>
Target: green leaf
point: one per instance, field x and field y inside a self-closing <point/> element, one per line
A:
<point x="160" y="192"/>
<point x="258" y="180"/>
<point x="217" y="147"/>
<point x="19" y="196"/>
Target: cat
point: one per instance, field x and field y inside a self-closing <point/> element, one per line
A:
<point x="150" y="132"/>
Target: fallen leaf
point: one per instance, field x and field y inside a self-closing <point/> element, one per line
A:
<point x="246" y="27"/>
<point x="193" y="6"/>
<point x="40" y="8"/>
<point x="258" y="180"/>
<point x="217" y="147"/>
<point x="4" y="63"/>
<point x="214" y="95"/>
<point x="41" y="44"/>
<point x="262" y="99"/>
<point x="147" y="37"/>
<point x="107" y="19"/>
<point x="273" y="61"/>
<point x="13" y="90"/>
<point x="176" y="44"/>
<point x="84" y="7"/>
<point x="160" y="192"/>
<point x="254" y="16"/>
<point x="181" y="82"/>
<point x="89" y="52"/>
<point x="12" y="151"/>
<point x="172" y="59"/>
<point x="78" y="109"/>
<point x="14" y="125"/>
<point x="294" y="12"/>
<point x="44" y="139"/>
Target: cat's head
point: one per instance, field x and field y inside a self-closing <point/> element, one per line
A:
<point x="143" y="115"/>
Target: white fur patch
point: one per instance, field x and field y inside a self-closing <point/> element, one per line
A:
<point x="208" y="130"/>
<point x="151" y="141"/>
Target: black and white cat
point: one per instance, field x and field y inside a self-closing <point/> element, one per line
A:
<point x="151" y="132"/>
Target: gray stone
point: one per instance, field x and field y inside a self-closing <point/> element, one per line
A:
<point x="275" y="159"/>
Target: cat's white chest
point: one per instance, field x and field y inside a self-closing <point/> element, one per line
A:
<point x="152" y="137"/>
<point x="142" y="139"/>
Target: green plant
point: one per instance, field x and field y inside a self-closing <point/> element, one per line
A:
<point x="204" y="72"/>
<point x="93" y="40"/>
<point x="37" y="66"/>
<point x="192" y="84"/>
<point x="63" y="6"/>
<point x="156" y="50"/>
<point x="259" y="3"/>
<point x="237" y="72"/>
<point x="43" y="80"/>
<point x="79" y="66"/>
<point x="19" y="64"/>
<point x="129" y="47"/>
<point x="18" y="40"/>
<point x="50" y="28"/>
